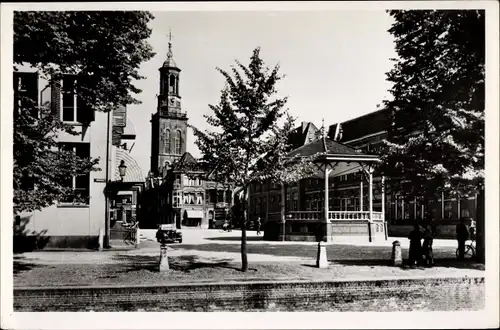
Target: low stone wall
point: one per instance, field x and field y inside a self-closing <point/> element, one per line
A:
<point x="437" y="294"/>
<point x="31" y="243"/>
<point x="442" y="231"/>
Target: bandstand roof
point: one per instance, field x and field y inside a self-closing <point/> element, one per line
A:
<point x="341" y="158"/>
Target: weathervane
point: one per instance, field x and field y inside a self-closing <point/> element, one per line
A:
<point x="169" y="42"/>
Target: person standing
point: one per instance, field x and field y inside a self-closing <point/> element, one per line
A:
<point x="258" y="225"/>
<point x="462" y="237"/>
<point x="427" y="246"/>
<point x="415" y="253"/>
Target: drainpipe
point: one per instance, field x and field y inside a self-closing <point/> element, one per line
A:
<point x="107" y="228"/>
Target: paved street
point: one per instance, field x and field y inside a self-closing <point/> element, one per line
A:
<point x="214" y="256"/>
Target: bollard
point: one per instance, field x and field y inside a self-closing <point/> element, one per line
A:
<point x="321" y="260"/>
<point x="101" y="239"/>
<point x="396" y="257"/>
<point x="163" y="258"/>
<point x="137" y="237"/>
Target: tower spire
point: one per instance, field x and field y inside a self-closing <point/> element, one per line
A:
<point x="169" y="54"/>
<point x="169" y="62"/>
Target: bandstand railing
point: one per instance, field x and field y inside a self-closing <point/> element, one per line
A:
<point x="332" y="215"/>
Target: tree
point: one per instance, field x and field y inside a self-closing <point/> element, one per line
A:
<point x="245" y="121"/>
<point x="436" y="140"/>
<point x="103" y="50"/>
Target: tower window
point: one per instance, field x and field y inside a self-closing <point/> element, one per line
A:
<point x="178" y="143"/>
<point x="166" y="141"/>
<point x="172" y="85"/>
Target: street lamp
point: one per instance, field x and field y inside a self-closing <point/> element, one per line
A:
<point x="122" y="169"/>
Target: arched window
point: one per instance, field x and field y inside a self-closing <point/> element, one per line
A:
<point x="172" y="85"/>
<point x="178" y="143"/>
<point x="166" y="141"/>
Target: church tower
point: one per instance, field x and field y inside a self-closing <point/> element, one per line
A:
<point x="169" y="123"/>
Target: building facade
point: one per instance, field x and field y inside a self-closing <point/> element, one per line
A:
<point x="78" y="221"/>
<point x="367" y="133"/>
<point x="350" y="192"/>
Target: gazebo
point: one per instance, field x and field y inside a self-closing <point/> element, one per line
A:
<point x="333" y="159"/>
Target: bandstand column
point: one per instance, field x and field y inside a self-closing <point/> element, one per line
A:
<point x="370" y="192"/>
<point x="361" y="194"/>
<point x="370" y="204"/>
<point x="327" y="173"/>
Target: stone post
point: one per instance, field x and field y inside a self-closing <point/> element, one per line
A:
<point x="321" y="259"/>
<point x="101" y="239"/>
<point x="163" y="258"/>
<point x="137" y="237"/>
<point x="396" y="257"/>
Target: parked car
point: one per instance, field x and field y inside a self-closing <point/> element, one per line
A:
<point x="168" y="233"/>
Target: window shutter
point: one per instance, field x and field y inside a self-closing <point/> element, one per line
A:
<point x="55" y="97"/>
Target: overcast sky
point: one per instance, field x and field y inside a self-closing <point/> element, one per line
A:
<point x="335" y="63"/>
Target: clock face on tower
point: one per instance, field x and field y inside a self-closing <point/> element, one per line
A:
<point x="174" y="102"/>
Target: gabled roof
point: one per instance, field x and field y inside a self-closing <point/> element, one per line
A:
<point x="187" y="163"/>
<point x="303" y="134"/>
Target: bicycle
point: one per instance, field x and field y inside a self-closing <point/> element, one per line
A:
<point x="469" y="252"/>
<point x="130" y="232"/>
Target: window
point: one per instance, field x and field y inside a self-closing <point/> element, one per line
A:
<point x="199" y="198"/>
<point x="172" y="85"/>
<point x="80" y="184"/>
<point x="26" y="91"/>
<point x="177" y="199"/>
<point x="69" y="99"/>
<point x="166" y="141"/>
<point x="177" y="143"/>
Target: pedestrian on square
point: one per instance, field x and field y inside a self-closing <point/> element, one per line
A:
<point x="415" y="253"/>
<point x="462" y="237"/>
<point x="258" y="225"/>
<point x="427" y="246"/>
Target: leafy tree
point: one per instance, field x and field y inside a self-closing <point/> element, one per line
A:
<point x="103" y="50"/>
<point x="247" y="129"/>
<point x="436" y="141"/>
<point x="437" y="138"/>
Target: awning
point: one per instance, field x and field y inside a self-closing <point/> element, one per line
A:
<point x="194" y="214"/>
<point x="124" y="193"/>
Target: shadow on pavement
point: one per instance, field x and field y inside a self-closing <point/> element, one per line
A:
<point x="185" y="263"/>
<point x="235" y="238"/>
<point x="21" y="266"/>
<point x="445" y="262"/>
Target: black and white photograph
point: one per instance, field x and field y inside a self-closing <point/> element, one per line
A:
<point x="250" y="157"/>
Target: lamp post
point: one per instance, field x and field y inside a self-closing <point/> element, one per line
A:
<point x="122" y="169"/>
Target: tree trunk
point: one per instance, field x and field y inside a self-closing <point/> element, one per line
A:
<point x="480" y="228"/>
<point x="244" y="259"/>
<point x="283" y="210"/>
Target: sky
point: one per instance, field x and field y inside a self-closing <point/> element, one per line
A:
<point x="334" y="61"/>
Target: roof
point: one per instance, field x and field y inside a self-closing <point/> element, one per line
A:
<point x="324" y="146"/>
<point x="328" y="149"/>
<point x="169" y="62"/>
<point x="303" y="134"/>
<point x="134" y="172"/>
<point x="371" y="123"/>
<point x="186" y="162"/>
<point x="129" y="130"/>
